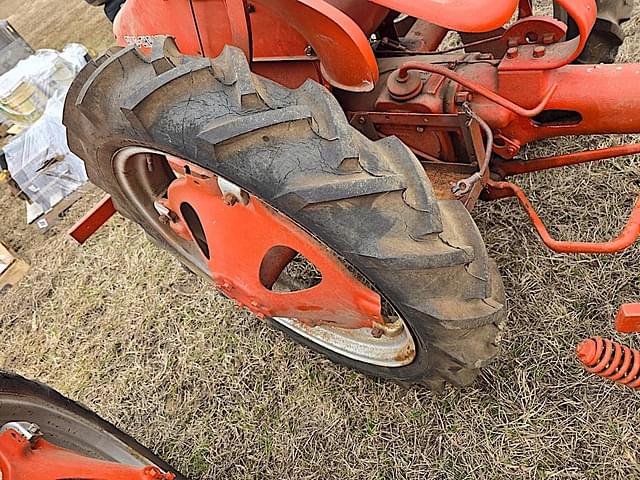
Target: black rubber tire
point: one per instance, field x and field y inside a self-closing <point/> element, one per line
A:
<point x="70" y="425"/>
<point x="369" y="201"/>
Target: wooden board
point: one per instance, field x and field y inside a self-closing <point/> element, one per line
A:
<point x="12" y="268"/>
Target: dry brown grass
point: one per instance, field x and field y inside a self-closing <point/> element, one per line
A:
<point x="120" y="326"/>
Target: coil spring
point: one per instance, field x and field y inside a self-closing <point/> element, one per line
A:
<point x="611" y="360"/>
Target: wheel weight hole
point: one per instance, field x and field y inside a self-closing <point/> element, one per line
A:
<point x="195" y="226"/>
<point x="283" y="269"/>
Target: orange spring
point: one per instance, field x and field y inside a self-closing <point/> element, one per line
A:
<point x="610" y="360"/>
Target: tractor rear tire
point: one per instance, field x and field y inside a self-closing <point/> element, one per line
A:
<point x="370" y="202"/>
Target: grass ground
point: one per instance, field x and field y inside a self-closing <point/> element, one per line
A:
<point x="119" y="326"/>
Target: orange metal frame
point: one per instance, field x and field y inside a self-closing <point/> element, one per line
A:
<point x="292" y="40"/>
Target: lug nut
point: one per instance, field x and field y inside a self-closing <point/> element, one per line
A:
<point x="377" y="332"/>
<point x="230" y="199"/>
<point x="539" y="51"/>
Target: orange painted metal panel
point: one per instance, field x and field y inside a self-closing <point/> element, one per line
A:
<point x="140" y="19"/>
<point x="346" y="58"/>
<point x="462" y="15"/>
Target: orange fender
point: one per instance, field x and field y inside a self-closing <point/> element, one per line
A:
<point x="461" y="15"/>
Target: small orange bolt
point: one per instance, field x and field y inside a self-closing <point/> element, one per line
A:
<point x="155" y="474"/>
<point x="539" y="51"/>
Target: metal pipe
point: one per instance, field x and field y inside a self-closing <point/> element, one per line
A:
<point x="629" y="234"/>
<point x="516" y="167"/>
<point x="403" y="75"/>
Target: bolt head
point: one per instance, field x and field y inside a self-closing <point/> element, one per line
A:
<point x="512" y="52"/>
<point x="33" y="429"/>
<point x="230" y="199"/>
<point x="376" y="332"/>
<point x="586" y="351"/>
<point x="539" y="51"/>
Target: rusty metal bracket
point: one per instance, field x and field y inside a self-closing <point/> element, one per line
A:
<point x="93" y="220"/>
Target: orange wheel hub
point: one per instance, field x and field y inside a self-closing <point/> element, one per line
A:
<point x="246" y="244"/>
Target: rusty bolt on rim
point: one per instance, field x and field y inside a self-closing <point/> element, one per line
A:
<point x="230" y="199"/>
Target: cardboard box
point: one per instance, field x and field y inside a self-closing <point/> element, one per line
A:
<point x="12" y="268"/>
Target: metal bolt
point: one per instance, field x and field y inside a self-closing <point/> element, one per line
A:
<point x="420" y="129"/>
<point x="377" y="332"/>
<point x="308" y="51"/>
<point x="512" y="52"/>
<point x="230" y="199"/>
<point x="539" y="51"/>
<point x="362" y="120"/>
<point x="33" y="429"/>
<point x="462" y="97"/>
<point x="155" y="474"/>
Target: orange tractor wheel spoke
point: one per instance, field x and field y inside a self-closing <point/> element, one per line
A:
<point x="240" y="238"/>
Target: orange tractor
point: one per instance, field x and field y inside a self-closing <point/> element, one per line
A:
<point x="318" y="162"/>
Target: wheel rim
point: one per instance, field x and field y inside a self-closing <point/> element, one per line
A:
<point x="144" y="175"/>
<point x="67" y="430"/>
